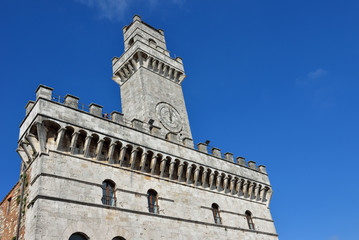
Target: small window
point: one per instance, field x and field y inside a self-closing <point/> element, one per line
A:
<point x="130" y="43"/>
<point x="152" y="201"/>
<point x="216" y="215"/>
<point x="78" y="236"/>
<point x="108" y="193"/>
<point x="249" y="220"/>
<point x="152" y="42"/>
<point x="118" y="238"/>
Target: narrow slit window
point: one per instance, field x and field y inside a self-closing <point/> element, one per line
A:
<point x="216" y="214"/>
<point x="108" y="193"/>
<point x="152" y="201"/>
<point x="250" y="220"/>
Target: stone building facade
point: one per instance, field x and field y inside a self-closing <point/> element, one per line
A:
<point x="132" y="175"/>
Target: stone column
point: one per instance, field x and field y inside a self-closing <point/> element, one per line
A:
<point x="172" y="168"/>
<point x="41" y="134"/>
<point x="269" y="196"/>
<point x="87" y="146"/>
<point x="225" y="184"/>
<point x="133" y="158"/>
<point x="153" y="164"/>
<point x="74" y="137"/>
<point x="204" y="177"/>
<point x="232" y="186"/>
<point x="110" y="153"/>
<point x="60" y="137"/>
<point x="143" y="161"/>
<point x="99" y="148"/>
<point x="245" y="188"/>
<point x="188" y="174"/>
<point x="26" y="151"/>
<point x="211" y="180"/>
<point x="256" y="192"/>
<point x="180" y="171"/>
<point x="250" y="190"/>
<point x="196" y="175"/>
<point x="122" y="154"/>
<point x="163" y="167"/>
<point x="218" y="182"/>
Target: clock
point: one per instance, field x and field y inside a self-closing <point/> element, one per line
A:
<point x="169" y="117"/>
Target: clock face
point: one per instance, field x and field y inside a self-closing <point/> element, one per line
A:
<point x="169" y="117"/>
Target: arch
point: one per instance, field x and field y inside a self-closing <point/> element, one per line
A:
<point x="152" y="201"/>
<point x="137" y="160"/>
<point x="51" y="133"/>
<point x="80" y="143"/>
<point x="66" y="140"/>
<point x="167" y="167"/>
<point x="175" y="169"/>
<point x="116" y="152"/>
<point x="158" y="164"/>
<point x="216" y="214"/>
<point x="79" y="236"/>
<point x="249" y="220"/>
<point x="103" y="154"/>
<point x="147" y="163"/>
<point x="93" y="145"/>
<point x="108" y="193"/>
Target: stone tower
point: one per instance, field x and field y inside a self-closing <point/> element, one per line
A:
<point x="151" y="80"/>
<point x="86" y="174"/>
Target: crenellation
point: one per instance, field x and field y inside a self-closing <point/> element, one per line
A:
<point x="96" y="109"/>
<point x="72" y="101"/>
<point x="216" y="152"/>
<point x="252" y="164"/>
<point x="43" y="92"/>
<point x="29" y="106"/>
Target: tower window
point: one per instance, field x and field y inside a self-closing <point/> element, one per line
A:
<point x="131" y="42"/>
<point x="216" y="215"/>
<point x="152" y="42"/>
<point x="152" y="201"/>
<point x="108" y="193"/>
<point x="8" y="206"/>
<point x="249" y="220"/>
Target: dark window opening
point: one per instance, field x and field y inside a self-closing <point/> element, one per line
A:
<point x="216" y="215"/>
<point x="249" y="220"/>
<point x="108" y="193"/>
<point x="152" y="201"/>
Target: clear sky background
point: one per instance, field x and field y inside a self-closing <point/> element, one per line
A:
<point x="273" y="81"/>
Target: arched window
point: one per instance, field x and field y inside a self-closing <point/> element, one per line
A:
<point x="118" y="238"/>
<point x="78" y="236"/>
<point x="249" y="220"/>
<point x="108" y="193"/>
<point x="152" y="201"/>
<point x="216" y="215"/>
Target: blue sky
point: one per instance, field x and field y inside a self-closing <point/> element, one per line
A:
<point x="273" y="81"/>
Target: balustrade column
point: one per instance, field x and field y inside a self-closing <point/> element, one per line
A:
<point x="41" y="134"/>
<point x="211" y="180"/>
<point x="110" y="153"/>
<point x="188" y="174"/>
<point x="143" y="161"/>
<point x="122" y="155"/>
<point x="204" y="178"/>
<point x="74" y="137"/>
<point x="180" y="171"/>
<point x="99" y="148"/>
<point x="218" y="181"/>
<point x="162" y="167"/>
<point x="133" y="158"/>
<point x="153" y="164"/>
<point x="60" y="137"/>
<point x="172" y="168"/>
<point x="87" y="146"/>
<point x="225" y="184"/>
<point x="196" y="175"/>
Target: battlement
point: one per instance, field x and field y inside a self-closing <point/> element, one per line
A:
<point x="118" y="118"/>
